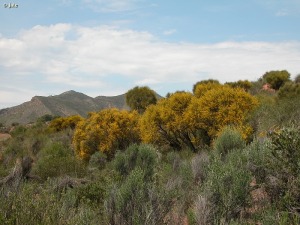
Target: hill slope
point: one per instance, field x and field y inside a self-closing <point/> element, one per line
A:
<point x="66" y="104"/>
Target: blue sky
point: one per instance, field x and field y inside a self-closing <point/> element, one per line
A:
<point x="106" y="47"/>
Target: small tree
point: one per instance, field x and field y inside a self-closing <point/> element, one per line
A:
<point x="139" y="98"/>
<point x="209" y="81"/>
<point x="297" y="79"/>
<point x="202" y="88"/>
<point x="245" y="84"/>
<point x="276" y="78"/>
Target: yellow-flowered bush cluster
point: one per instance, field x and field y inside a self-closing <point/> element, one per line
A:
<point x="186" y="120"/>
<point x="62" y="123"/>
<point x="106" y="131"/>
<point x="182" y="120"/>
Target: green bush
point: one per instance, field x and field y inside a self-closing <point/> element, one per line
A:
<point x="141" y="196"/>
<point x="227" y="186"/>
<point x="284" y="187"/>
<point x="228" y="140"/>
<point x="132" y="197"/>
<point x="285" y="147"/>
<point x="259" y="155"/>
<point x="35" y="204"/>
<point x="56" y="160"/>
<point x="94" y="194"/>
<point x="136" y="156"/>
<point x="98" y="160"/>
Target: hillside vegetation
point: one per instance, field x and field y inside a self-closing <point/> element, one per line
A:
<point x="224" y="154"/>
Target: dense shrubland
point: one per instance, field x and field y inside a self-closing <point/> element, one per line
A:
<point x="224" y="154"/>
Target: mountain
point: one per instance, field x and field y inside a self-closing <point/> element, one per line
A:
<point x="66" y="104"/>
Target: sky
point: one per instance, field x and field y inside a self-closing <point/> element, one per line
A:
<point x="106" y="47"/>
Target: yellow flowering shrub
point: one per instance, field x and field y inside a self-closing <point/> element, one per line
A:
<point x="220" y="107"/>
<point x="63" y="123"/>
<point x="164" y="123"/>
<point x="106" y="131"/>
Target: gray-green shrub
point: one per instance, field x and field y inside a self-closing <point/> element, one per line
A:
<point x="228" y="140"/>
<point x="136" y="156"/>
<point x="227" y="185"/>
<point x="56" y="160"/>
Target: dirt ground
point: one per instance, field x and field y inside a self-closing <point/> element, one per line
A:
<point x="4" y="137"/>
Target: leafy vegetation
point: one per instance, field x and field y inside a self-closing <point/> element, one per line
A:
<point x="139" y="98"/>
<point x="276" y="78"/>
<point x="224" y="154"/>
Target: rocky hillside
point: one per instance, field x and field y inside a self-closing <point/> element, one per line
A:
<point x="65" y="104"/>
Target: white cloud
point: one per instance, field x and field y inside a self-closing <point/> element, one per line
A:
<point x="147" y="81"/>
<point x="95" y="55"/>
<point x="169" y="32"/>
<point x="282" y="12"/>
<point x="281" y="7"/>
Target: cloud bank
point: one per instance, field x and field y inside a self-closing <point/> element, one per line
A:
<point x="109" y="60"/>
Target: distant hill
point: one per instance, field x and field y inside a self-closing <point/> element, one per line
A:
<point x="66" y="104"/>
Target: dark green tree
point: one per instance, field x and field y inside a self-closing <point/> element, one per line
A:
<point x="276" y="78"/>
<point x="205" y="82"/>
<point x="245" y="84"/>
<point x="139" y="98"/>
<point x="297" y="79"/>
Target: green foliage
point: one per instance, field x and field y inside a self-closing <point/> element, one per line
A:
<point x="227" y="186"/>
<point x="274" y="163"/>
<point x="273" y="112"/>
<point x="46" y="118"/>
<point x="132" y="197"/>
<point x="276" y="78"/>
<point x="244" y="84"/>
<point x="289" y="90"/>
<point x="25" y="141"/>
<point x="259" y="155"/>
<point x="209" y="81"/>
<point x="228" y="140"/>
<point x="139" y="98"/>
<point x="94" y="193"/>
<point x="19" y="130"/>
<point x="201" y="88"/>
<point x="136" y="156"/>
<point x="297" y="79"/>
<point x="285" y="146"/>
<point x="33" y="204"/>
<point x="56" y="160"/>
<point x="98" y="160"/>
<point x="141" y="196"/>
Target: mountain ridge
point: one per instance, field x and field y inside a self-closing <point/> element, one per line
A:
<point x="65" y="104"/>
